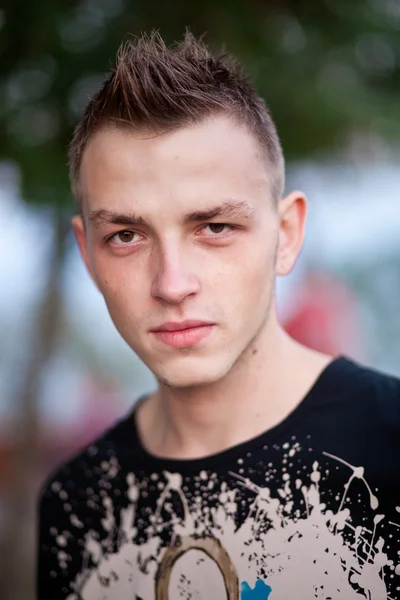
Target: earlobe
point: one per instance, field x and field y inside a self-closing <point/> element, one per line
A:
<point x="292" y="213"/>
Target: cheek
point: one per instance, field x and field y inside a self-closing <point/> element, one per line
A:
<point x="256" y="265"/>
<point x="246" y="283"/>
<point x="120" y="284"/>
<point x="258" y="284"/>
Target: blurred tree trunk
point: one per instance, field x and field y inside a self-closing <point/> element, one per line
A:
<point x="17" y="577"/>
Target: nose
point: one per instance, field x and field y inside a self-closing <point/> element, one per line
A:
<point x="172" y="282"/>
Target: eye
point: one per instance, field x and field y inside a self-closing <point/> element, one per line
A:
<point x="218" y="228"/>
<point x="122" y="237"/>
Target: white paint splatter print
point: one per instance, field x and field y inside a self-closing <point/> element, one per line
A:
<point x="286" y="535"/>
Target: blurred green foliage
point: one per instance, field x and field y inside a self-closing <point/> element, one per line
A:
<point x="325" y="67"/>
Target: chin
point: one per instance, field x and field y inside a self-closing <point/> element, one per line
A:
<point x="191" y="372"/>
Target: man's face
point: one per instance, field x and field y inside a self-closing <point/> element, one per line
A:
<point x="158" y="257"/>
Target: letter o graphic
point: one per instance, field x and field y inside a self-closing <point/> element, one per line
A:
<point x="213" y="549"/>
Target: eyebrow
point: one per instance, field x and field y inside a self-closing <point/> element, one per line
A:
<point x="230" y="209"/>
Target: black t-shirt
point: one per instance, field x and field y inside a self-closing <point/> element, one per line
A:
<point x="309" y="509"/>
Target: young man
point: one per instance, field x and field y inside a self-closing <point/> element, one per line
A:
<point x="259" y="468"/>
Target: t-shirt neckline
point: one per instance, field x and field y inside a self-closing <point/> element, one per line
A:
<point x="324" y="385"/>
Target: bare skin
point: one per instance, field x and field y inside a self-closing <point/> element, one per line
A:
<point x="154" y="262"/>
<point x="176" y="428"/>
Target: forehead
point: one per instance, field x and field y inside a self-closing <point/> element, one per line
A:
<point x="191" y="161"/>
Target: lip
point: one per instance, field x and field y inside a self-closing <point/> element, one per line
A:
<point x="178" y="326"/>
<point x="183" y="335"/>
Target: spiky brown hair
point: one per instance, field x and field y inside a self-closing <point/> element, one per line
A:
<point x="158" y="88"/>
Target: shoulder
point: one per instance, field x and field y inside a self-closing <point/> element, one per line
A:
<point x="372" y="380"/>
<point x="92" y="466"/>
<point x="75" y="501"/>
<point x="373" y="391"/>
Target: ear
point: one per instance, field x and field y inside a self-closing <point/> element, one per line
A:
<point x="80" y="234"/>
<point x="292" y="218"/>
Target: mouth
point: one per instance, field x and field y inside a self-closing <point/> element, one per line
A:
<point x="183" y="335"/>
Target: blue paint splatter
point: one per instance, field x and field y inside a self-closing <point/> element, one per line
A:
<point x="261" y="591"/>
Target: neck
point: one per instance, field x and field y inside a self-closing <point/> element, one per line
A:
<point x="258" y="393"/>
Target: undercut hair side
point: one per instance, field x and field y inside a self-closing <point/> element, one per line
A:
<point x="157" y="88"/>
